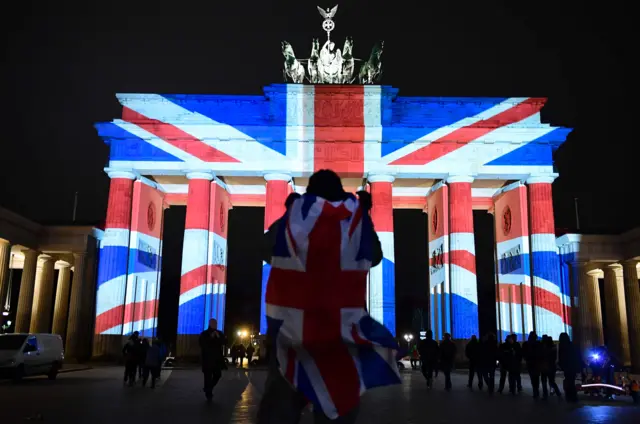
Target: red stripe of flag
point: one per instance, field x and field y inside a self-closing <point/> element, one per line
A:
<point x="177" y="138"/>
<point x="463" y="136"/>
<point x="339" y="129"/>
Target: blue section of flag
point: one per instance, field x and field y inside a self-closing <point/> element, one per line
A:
<point x="190" y="316"/>
<point x="465" y="317"/>
<point x="538" y="152"/>
<point x="515" y="265"/>
<point x="251" y="115"/>
<point x="417" y="117"/>
<point x="266" y="269"/>
<point x="389" y="295"/>
<point x="546" y="266"/>
<point x="125" y="146"/>
<point x="113" y="263"/>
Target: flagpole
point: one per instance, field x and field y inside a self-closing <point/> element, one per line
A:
<point x="75" y="206"/>
<point x="575" y="204"/>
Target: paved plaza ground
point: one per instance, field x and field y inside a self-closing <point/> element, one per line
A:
<point x="98" y="396"/>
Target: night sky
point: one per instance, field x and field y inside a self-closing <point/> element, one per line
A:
<point x="63" y="62"/>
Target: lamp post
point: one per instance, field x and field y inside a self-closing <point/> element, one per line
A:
<point x="408" y="337"/>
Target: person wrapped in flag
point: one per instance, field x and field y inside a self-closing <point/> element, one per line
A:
<point x="325" y="348"/>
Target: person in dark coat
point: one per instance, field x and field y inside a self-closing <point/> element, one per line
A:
<point x="549" y="371"/>
<point x="534" y="358"/>
<point x="517" y="362"/>
<point x="250" y="351"/>
<point x="570" y="362"/>
<point x="447" y="359"/>
<point x="472" y="352"/>
<point x="506" y="356"/>
<point x="212" y="344"/>
<point x="429" y="355"/>
<point x="131" y="353"/>
<point x="142" y="356"/>
<point x="488" y="358"/>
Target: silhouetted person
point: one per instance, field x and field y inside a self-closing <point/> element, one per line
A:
<point x="429" y="355"/>
<point x="131" y="353"/>
<point x="534" y="358"/>
<point x="472" y="352"/>
<point x="152" y="363"/>
<point x="241" y="352"/>
<point x="250" y="351"/>
<point x="550" y="367"/>
<point x="488" y="358"/>
<point x="507" y="358"/>
<point x="447" y="358"/>
<point x="517" y="364"/>
<point x="212" y="343"/>
<point x="142" y="355"/>
<point x="570" y="363"/>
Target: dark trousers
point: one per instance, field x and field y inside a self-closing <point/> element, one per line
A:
<point x="130" y="371"/>
<point x="154" y="372"/>
<point x="551" y="377"/>
<point x="517" y="377"/>
<point x="569" y="385"/>
<point x="446" y="370"/>
<point x="534" y="374"/>
<point x="427" y="371"/>
<point x="211" y="377"/>
<point x="474" y="370"/>
<point x="282" y="404"/>
<point x="504" y="374"/>
<point x="489" y="376"/>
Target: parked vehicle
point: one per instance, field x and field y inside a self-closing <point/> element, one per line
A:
<point x="23" y="355"/>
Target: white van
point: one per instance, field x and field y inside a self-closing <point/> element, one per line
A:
<point x="23" y="355"/>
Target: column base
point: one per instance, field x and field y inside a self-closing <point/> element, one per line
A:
<point x="187" y="347"/>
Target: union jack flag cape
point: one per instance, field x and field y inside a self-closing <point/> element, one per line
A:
<point x="327" y="345"/>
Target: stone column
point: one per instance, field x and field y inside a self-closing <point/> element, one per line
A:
<point x="545" y="265"/>
<point x="589" y="328"/>
<point x="25" y="297"/>
<point x="278" y="188"/>
<point x="80" y="308"/>
<point x="191" y="304"/>
<point x="617" y="330"/>
<point x="61" y="308"/>
<point x="43" y="296"/>
<point x="382" y="286"/>
<point x="462" y="259"/>
<point x="632" y="301"/>
<point x="5" y="257"/>
<point x="113" y="267"/>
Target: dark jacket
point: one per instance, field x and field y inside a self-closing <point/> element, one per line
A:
<point x="488" y="353"/>
<point x="472" y="351"/>
<point x="429" y="351"/>
<point x="212" y="343"/>
<point x="533" y="353"/>
<point x="447" y="353"/>
<point x="269" y="243"/>
<point x="507" y="356"/>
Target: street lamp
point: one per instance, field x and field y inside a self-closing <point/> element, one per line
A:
<point x="408" y="338"/>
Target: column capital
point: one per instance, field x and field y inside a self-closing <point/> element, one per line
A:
<point x="63" y="264"/>
<point x="199" y="175"/>
<point x="277" y="177"/>
<point x="630" y="263"/>
<point x="459" y="179"/>
<point x="4" y="242"/>
<point x="541" y="179"/>
<point x="128" y="174"/>
<point x="381" y="178"/>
